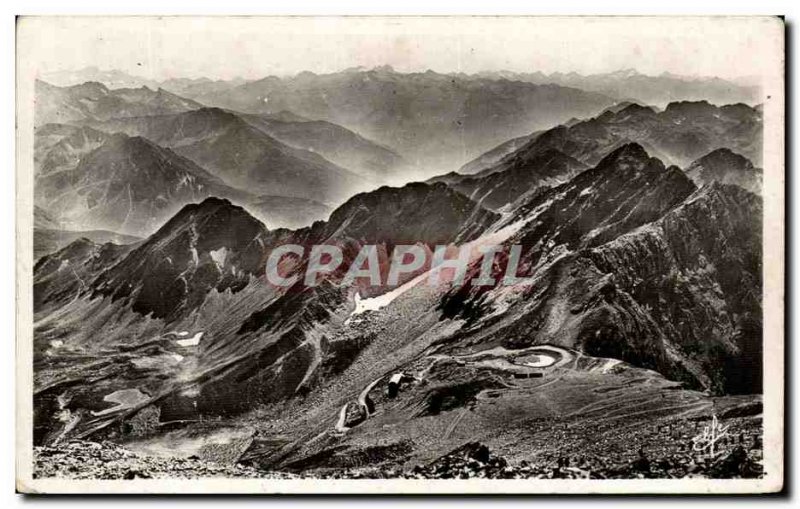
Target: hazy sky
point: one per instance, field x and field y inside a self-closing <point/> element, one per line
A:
<point x="160" y="48"/>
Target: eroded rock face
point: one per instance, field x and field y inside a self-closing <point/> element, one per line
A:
<point x="142" y="423"/>
<point x="630" y="262"/>
<point x="208" y="262"/>
<point x="211" y="245"/>
<point x="726" y="167"/>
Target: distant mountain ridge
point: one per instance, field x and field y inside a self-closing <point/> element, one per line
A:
<point x="335" y="143"/>
<point x="243" y="156"/>
<point x="624" y="84"/>
<point x="128" y="185"/>
<point x="431" y="119"/>
<point x="629" y="84"/>
<point x="681" y="133"/>
<point x="501" y="185"/>
<point x="95" y="101"/>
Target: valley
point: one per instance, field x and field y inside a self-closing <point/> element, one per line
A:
<point x="163" y="349"/>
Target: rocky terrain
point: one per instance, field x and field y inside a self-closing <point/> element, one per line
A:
<point x="106" y="461"/>
<point x="465" y="354"/>
<point x="499" y="186"/>
<point x="632" y="324"/>
<point x="726" y="167"/>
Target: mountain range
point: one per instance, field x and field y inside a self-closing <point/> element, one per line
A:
<point x="431" y="119"/>
<point x="222" y="145"/>
<point x="95" y="101"/>
<point x="242" y="155"/>
<point x="660" y="90"/>
<point x="127" y="185"/>
<point x="626" y="266"/>
<point x="636" y="311"/>
<point x="727" y="167"/>
<point x="624" y="84"/>
<point x="679" y="134"/>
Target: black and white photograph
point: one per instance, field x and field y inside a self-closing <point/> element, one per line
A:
<point x="400" y="254"/>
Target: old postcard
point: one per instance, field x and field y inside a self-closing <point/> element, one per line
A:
<point x="400" y="254"/>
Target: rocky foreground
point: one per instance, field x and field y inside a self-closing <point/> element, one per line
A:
<point x="475" y="460"/>
<point x="107" y="461"/>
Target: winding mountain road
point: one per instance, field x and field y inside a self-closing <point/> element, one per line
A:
<point x="363" y="402"/>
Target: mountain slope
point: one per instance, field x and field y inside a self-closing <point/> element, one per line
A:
<point x="202" y="272"/>
<point x="244" y="156"/>
<point x="95" y="101"/>
<point x="50" y="240"/>
<point x="61" y="276"/>
<point x="634" y="270"/>
<point x="680" y="134"/>
<point x="726" y="167"/>
<point x="649" y="280"/>
<point x="492" y="157"/>
<point x="335" y="143"/>
<point x="60" y="147"/>
<point x="128" y="185"/>
<point x="524" y="173"/>
<point x="288" y="212"/>
<point x="43" y="219"/>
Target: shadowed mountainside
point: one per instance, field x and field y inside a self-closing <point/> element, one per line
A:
<point x="681" y="133"/>
<point x="244" y="156"/>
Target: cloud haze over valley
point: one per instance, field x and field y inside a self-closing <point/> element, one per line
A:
<point x="621" y="174"/>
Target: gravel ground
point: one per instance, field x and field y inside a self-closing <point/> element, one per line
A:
<point x="475" y="460"/>
<point x="92" y="460"/>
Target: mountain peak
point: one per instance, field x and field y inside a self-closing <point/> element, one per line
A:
<point x="417" y="212"/>
<point x="129" y="144"/>
<point x="726" y="156"/>
<point x="628" y="153"/>
<point x="211" y="206"/>
<point x="636" y="109"/>
<point x="690" y="107"/>
<point x="89" y="85"/>
<point x="211" y="244"/>
<point x="726" y="166"/>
